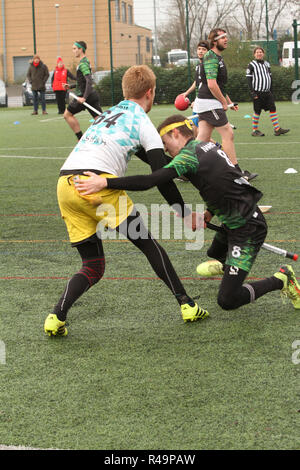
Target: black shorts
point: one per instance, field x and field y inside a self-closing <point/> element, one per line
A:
<point x="214" y="117"/>
<point x="265" y="101"/>
<point x="239" y="247"/>
<point x="93" y="100"/>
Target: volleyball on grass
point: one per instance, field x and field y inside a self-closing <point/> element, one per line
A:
<point x="181" y="102"/>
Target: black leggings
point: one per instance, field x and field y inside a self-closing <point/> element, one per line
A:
<point x="155" y="254"/>
<point x="233" y="292"/>
<point x="93" y="264"/>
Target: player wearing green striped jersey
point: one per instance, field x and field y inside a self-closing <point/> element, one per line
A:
<point x="84" y="90"/>
<point x="230" y="197"/>
<point x="213" y="99"/>
<point x="213" y="96"/>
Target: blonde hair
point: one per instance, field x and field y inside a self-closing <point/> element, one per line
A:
<point x="137" y="80"/>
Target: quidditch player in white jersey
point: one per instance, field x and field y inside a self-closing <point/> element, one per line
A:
<point x="106" y="148"/>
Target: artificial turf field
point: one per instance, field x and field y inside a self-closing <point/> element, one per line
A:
<point x="131" y="374"/>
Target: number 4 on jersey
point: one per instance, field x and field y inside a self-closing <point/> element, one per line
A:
<point x="108" y="120"/>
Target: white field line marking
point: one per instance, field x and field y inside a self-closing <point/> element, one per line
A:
<point x="34" y="148"/>
<point x="51" y="119"/>
<point x="266" y="143"/>
<point x="33" y="158"/>
<point x="138" y="160"/>
<point x="71" y="147"/>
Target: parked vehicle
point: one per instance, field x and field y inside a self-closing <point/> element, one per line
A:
<point x="97" y="76"/>
<point x="27" y="96"/>
<point x="3" y="94"/>
<point x="288" y="53"/>
<point x="156" y="61"/>
<point x="183" y="62"/>
<point x="176" y="54"/>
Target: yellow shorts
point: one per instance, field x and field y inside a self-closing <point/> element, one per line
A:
<point x="83" y="213"/>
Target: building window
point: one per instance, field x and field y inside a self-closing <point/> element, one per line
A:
<point x="124" y="13"/>
<point x="117" y="10"/>
<point x="130" y="15"/>
<point x="148" y="44"/>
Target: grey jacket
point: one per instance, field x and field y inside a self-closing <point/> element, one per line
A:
<point x="38" y="76"/>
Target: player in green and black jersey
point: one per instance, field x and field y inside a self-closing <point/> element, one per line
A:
<point x="213" y="99"/>
<point x="229" y="196"/>
<point x="84" y="90"/>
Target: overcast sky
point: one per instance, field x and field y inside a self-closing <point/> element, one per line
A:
<point x="144" y="12"/>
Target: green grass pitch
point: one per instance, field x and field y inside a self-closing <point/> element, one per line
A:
<point x="131" y="374"/>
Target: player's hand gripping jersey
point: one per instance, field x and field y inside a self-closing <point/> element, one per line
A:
<point x="222" y="187"/>
<point x="114" y="137"/>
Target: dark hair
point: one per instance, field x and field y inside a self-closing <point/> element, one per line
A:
<point x="184" y="129"/>
<point x="257" y="48"/>
<point x="203" y="43"/>
<point x="214" y="34"/>
<point x="83" y="45"/>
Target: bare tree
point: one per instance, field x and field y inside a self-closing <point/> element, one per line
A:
<point x="203" y="16"/>
<point x="276" y="8"/>
<point x="251" y="16"/>
<point x="246" y="16"/>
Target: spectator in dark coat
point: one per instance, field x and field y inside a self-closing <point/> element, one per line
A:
<point x="37" y="75"/>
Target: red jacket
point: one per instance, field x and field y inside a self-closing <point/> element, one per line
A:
<point x="60" y="77"/>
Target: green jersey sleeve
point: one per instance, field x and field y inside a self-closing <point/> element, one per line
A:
<point x="211" y="65"/>
<point x="185" y="162"/>
<point x="84" y="67"/>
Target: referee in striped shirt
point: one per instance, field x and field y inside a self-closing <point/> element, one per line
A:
<point x="259" y="78"/>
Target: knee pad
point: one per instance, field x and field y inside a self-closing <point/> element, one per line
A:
<point x="226" y="303"/>
<point x="93" y="269"/>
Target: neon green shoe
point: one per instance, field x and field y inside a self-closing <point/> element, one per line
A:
<point x="54" y="327"/>
<point x="194" y="313"/>
<point x="291" y="288"/>
<point x="210" y="268"/>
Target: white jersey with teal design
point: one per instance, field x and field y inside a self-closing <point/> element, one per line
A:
<point x="113" y="138"/>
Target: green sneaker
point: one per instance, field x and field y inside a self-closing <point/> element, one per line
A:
<point x="54" y="327"/>
<point x="194" y="313"/>
<point x="291" y="288"/>
<point x="210" y="268"/>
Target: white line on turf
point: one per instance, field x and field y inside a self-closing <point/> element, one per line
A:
<point x="266" y="143"/>
<point x="138" y="160"/>
<point x="34" y="148"/>
<point x="33" y="158"/>
<point x="52" y="119"/>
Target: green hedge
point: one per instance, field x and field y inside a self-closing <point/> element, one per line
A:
<point x="171" y="82"/>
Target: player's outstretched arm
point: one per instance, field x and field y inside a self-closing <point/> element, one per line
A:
<point x="132" y="183"/>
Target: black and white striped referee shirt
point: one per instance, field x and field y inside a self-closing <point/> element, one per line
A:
<point x="259" y="75"/>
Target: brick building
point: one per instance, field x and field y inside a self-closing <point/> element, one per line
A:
<point x="50" y="29"/>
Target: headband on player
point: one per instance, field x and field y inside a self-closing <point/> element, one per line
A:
<point x="80" y="46"/>
<point x="172" y="126"/>
<point x="223" y="35"/>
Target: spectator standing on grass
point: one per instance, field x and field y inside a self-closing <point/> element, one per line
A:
<point x="228" y="196"/>
<point x="37" y="75"/>
<point x="106" y="148"/>
<point x="259" y="79"/>
<point x="59" y="79"/>
<point x="84" y="90"/>
<point x="213" y="99"/>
